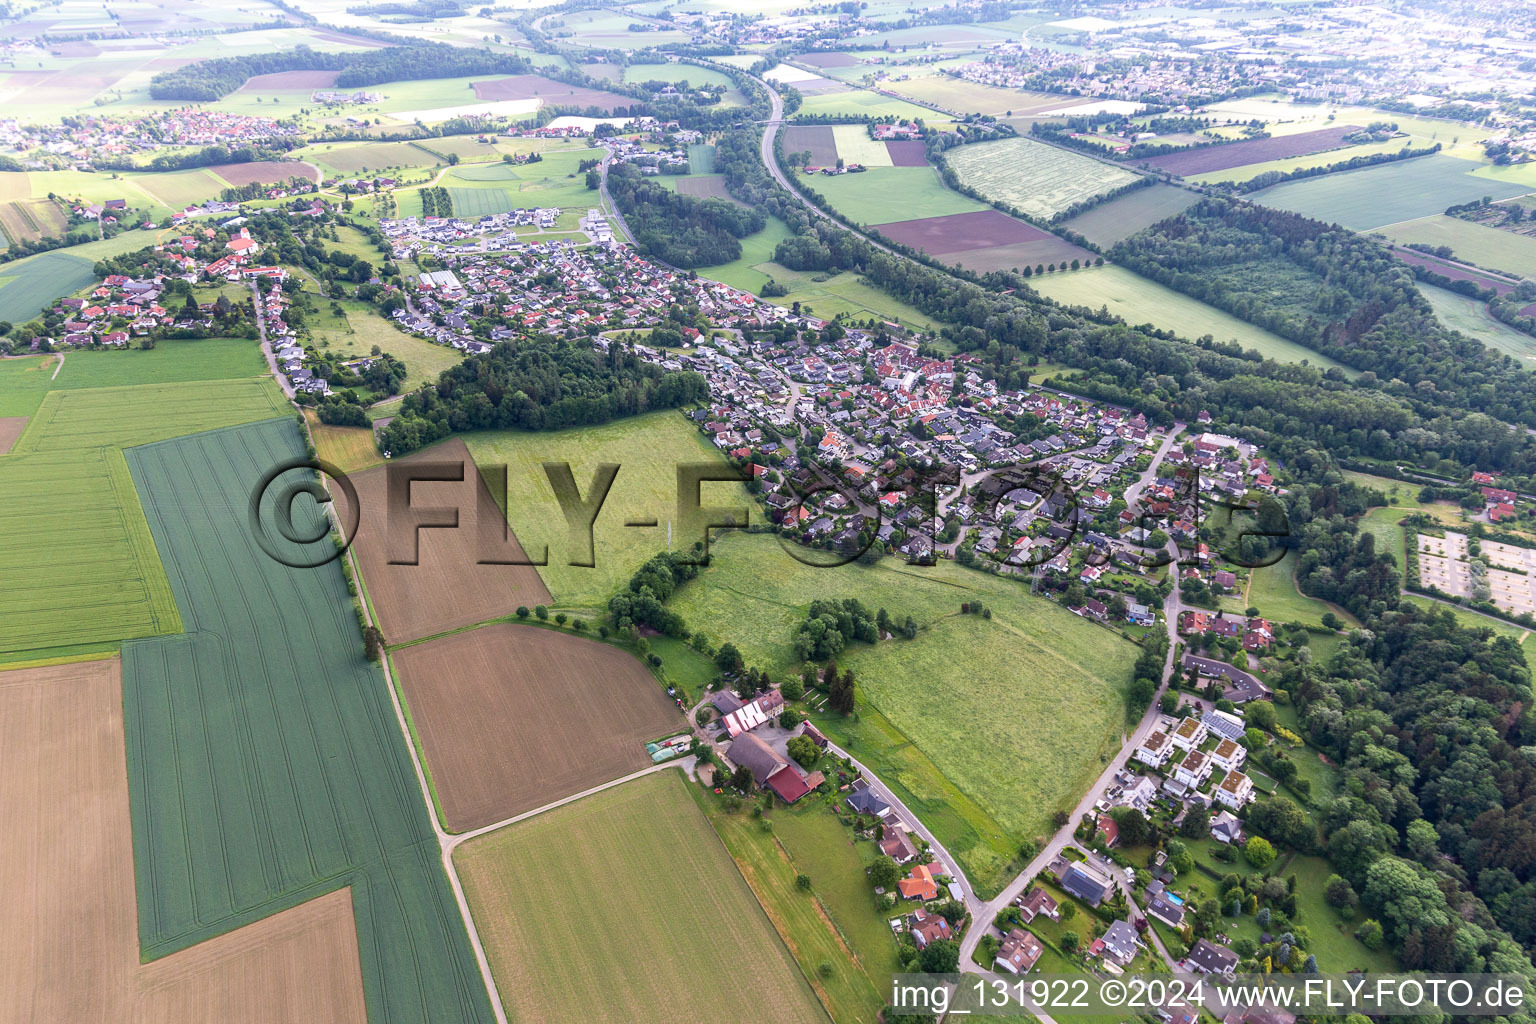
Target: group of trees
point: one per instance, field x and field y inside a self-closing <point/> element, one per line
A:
<point x="540" y="383"/>
<point x="678" y="229"/>
<point x="436" y="201"/>
<point x="830" y="626"/>
<point x="642" y="601"/>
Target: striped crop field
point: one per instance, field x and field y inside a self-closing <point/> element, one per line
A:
<point x="78" y="561"/>
<point x="147" y="412"/>
<point x="266" y="766"/>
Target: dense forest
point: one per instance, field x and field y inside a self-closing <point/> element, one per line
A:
<point x="1435" y="823"/>
<point x="681" y="230"/>
<point x="210" y="80"/>
<point x="538" y="384"/>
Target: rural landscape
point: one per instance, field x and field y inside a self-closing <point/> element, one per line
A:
<point x="671" y="510"/>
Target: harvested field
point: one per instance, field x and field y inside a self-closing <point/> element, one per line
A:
<point x="178" y="189"/>
<point x="524" y="87"/>
<point x="1048" y="249"/>
<point x="818" y="139"/>
<point x="704" y="186"/>
<point x="10" y="429"/>
<point x="1445" y="268"/>
<point x="965" y="97"/>
<point x="854" y="146"/>
<point x="819" y="86"/>
<point x="512" y="717"/>
<point x="448" y="587"/>
<point x="264" y="760"/>
<point x="1120" y="218"/>
<point x="907" y="153"/>
<point x="265" y="171"/>
<point x="960" y="231"/>
<point x="827" y="59"/>
<point x="281" y="80"/>
<point x="70" y="951"/>
<point x="1251" y="151"/>
<point x="1033" y="177"/>
<point x="662" y="907"/>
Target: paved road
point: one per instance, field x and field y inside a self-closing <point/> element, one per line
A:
<point x="266" y="346"/>
<point x="612" y="208"/>
<point x="1059" y="841"/>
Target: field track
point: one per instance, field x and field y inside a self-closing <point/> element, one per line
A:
<point x="447" y="587"/>
<point x="516" y="717"/>
<point x="70" y="950"/>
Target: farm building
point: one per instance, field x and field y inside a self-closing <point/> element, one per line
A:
<point x="754" y="713"/>
<point x="772" y="770"/>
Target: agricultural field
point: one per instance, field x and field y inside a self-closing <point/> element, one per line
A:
<point x="80" y="567"/>
<point x="838" y="920"/>
<point x="856" y="147"/>
<point x="178" y="189"/>
<point x="550" y="92"/>
<point x="1477" y="243"/>
<point x="872" y="196"/>
<point x="963" y="97"/>
<point x="1041" y="180"/>
<point x="672" y="909"/>
<point x="351" y="449"/>
<point x="432" y="581"/>
<point x="985" y="240"/>
<point x="1138" y="300"/>
<point x="818" y="139"/>
<point x="27" y="220"/>
<point x="1016" y="751"/>
<point x="10" y="429"/>
<point x="861" y="101"/>
<point x="489" y="705"/>
<point x="25" y="380"/>
<point x="66" y="875"/>
<point x="1120" y="218"/>
<point x="1208" y="159"/>
<point x="648" y="449"/>
<point x="467" y="148"/>
<point x="126" y="416"/>
<point x="474" y="203"/>
<point x="30" y="285"/>
<point x="1372" y="197"/>
<point x="348" y="159"/>
<point x="1471" y="317"/>
<point x="264" y="760"/>
<point x="1456" y="271"/>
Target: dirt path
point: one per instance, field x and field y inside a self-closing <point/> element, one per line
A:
<point x="57" y="368"/>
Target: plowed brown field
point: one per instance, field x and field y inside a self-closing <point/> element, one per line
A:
<point x="515" y="717"/>
<point x="447" y="587"/>
<point x="69" y="950"/>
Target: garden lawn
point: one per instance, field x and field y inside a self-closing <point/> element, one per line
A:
<point x="24" y="381"/>
<point x="363" y="328"/>
<point x="1333" y="939"/>
<point x="143" y="413"/>
<point x="628" y="886"/>
<point x="648" y="450"/>
<point x="682" y="666"/>
<point x="815" y="926"/>
<point x="1018" y="726"/>
<point x="79" y="565"/>
<point x="265" y="762"/>
<point x="1138" y="300"/>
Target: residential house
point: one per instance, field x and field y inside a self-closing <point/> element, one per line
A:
<point x="1224" y="724"/>
<point x="1120" y="942"/>
<point x="1193" y="770"/>
<point x="864" y="800"/>
<point x="1190" y="734"/>
<point x="1038" y="902"/>
<point x="896" y="845"/>
<point x="1108" y="831"/>
<point x="1166" y="911"/>
<point x="927" y="927"/>
<point x="1087" y="883"/>
<point x="772" y="770"/>
<point x="1019" y="952"/>
<point x="1235" y="791"/>
<point x="920" y="885"/>
<point x="1208" y="958"/>
<point x="1229" y="756"/>
<point x="1155" y="749"/>
<point x="1225" y="828"/>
